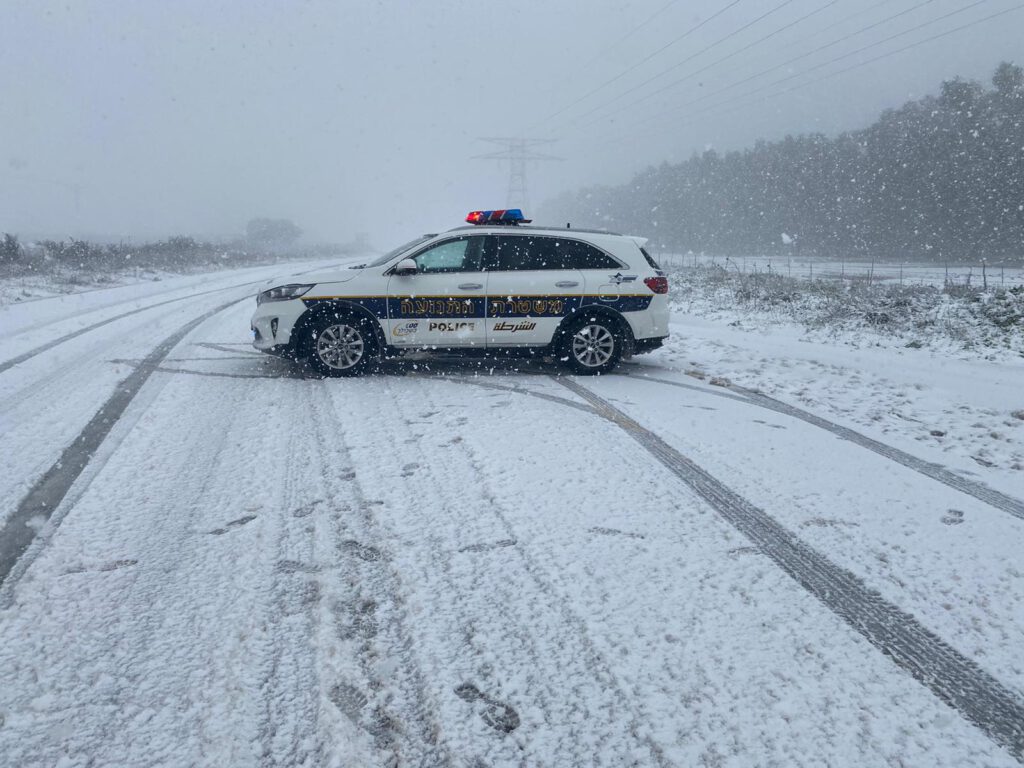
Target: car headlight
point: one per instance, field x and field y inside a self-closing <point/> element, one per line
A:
<point x="283" y="292"/>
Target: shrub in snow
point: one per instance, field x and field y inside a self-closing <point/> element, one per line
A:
<point x="915" y="314"/>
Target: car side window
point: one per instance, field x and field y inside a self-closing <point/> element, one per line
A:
<point x="579" y="255"/>
<point x="459" y="255"/>
<point x="515" y="253"/>
<point x="519" y="253"/>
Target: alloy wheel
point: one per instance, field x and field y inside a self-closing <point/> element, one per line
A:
<point x="340" y="346"/>
<point x="593" y="345"/>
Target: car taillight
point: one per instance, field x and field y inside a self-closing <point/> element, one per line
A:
<point x="657" y="284"/>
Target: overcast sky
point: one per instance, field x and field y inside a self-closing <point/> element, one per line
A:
<point x="146" y="119"/>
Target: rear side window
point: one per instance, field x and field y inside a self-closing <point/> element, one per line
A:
<point x="650" y="259"/>
<point x="517" y="253"/>
<point x="580" y="255"/>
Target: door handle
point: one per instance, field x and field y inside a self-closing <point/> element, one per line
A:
<point x="567" y="284"/>
<point x="471" y="286"/>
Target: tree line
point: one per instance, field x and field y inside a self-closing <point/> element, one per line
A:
<point x="939" y="179"/>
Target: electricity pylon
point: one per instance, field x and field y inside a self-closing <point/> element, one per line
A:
<point x="518" y="152"/>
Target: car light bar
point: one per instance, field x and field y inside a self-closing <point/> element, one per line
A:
<point x="510" y="216"/>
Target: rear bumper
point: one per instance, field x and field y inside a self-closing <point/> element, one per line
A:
<point x="640" y="346"/>
<point x="652" y="323"/>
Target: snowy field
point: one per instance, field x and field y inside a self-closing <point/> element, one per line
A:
<point x="60" y="280"/>
<point x="959" y="322"/>
<point x="750" y="548"/>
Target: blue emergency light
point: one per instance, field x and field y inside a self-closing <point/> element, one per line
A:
<point x="509" y="216"/>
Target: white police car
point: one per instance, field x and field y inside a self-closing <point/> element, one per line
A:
<point x="584" y="297"/>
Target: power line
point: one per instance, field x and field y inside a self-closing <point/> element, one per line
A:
<point x="692" y="56"/>
<point x="816" y="67"/>
<point x="855" y="14"/>
<point x="643" y="61"/>
<point x="835" y="42"/>
<point x="600" y="54"/>
<point x="939" y="36"/>
<point x="903" y="49"/>
<point x="703" y="69"/>
<point x="633" y="31"/>
<point x="822" y="65"/>
<point x="786" y="63"/>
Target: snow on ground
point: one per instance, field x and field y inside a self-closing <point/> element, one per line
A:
<point x="55" y="280"/>
<point x="960" y="322"/>
<point x="448" y="565"/>
<point x="953" y="388"/>
<point x="963" y="413"/>
<point x="33" y="287"/>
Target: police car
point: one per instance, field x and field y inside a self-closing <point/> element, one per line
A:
<point x="584" y="297"/>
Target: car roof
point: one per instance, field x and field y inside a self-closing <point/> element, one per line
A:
<point x="505" y="229"/>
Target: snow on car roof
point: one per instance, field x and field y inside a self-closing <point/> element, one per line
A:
<point x="521" y="227"/>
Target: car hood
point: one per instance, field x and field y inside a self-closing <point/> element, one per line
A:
<point x="315" y="278"/>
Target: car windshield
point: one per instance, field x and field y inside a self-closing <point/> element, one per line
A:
<point x="394" y="252"/>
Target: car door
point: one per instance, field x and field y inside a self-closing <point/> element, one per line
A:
<point x="529" y="289"/>
<point x="443" y="303"/>
<point x="607" y="281"/>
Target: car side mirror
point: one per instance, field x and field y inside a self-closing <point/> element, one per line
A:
<point x="406" y="267"/>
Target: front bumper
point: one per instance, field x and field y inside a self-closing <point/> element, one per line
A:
<point x="273" y="322"/>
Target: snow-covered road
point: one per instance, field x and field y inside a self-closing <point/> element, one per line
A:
<point x="445" y="564"/>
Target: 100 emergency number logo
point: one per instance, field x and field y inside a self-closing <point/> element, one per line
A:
<point x="405" y="329"/>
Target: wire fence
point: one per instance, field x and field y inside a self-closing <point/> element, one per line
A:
<point x="984" y="275"/>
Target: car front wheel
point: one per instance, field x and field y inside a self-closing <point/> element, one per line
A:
<point x="342" y="347"/>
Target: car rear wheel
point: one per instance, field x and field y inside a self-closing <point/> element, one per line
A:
<point x="342" y="347"/>
<point x="591" y="346"/>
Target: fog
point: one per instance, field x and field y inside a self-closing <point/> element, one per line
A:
<point x="144" y="120"/>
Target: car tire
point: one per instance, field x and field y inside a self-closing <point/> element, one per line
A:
<point x="591" y="345"/>
<point x="342" y="346"/>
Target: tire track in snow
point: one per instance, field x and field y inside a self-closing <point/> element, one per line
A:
<point x="524" y="391"/>
<point x="978" y="490"/>
<point x="386" y="694"/>
<point x="18" y="359"/>
<point x="21" y="527"/>
<point x="952" y="677"/>
<point x="166" y="630"/>
<point x="554" y="658"/>
<point x="290" y="681"/>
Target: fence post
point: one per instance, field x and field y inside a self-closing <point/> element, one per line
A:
<point x="984" y="274"/>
